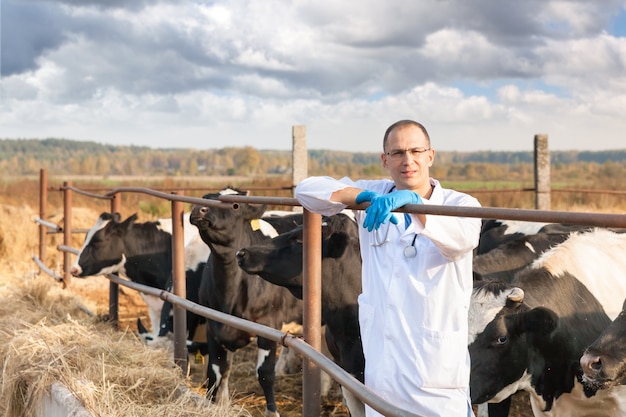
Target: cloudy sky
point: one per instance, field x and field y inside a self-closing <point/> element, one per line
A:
<point x="480" y="74"/>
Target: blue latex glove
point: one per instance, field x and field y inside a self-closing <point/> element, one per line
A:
<point x="366" y="196"/>
<point x="380" y="210"/>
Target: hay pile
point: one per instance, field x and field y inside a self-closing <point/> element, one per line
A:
<point x="45" y="337"/>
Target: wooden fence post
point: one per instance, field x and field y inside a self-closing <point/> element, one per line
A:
<point x="542" y="173"/>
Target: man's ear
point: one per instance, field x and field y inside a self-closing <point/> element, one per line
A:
<point x="431" y="158"/>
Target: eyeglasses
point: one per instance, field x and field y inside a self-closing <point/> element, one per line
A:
<point x="397" y="154"/>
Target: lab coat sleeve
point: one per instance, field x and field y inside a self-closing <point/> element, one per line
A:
<point x="314" y="194"/>
<point x="454" y="236"/>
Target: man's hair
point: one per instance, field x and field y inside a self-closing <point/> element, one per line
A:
<point x="401" y="123"/>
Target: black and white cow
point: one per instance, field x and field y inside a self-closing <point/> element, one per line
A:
<point x="141" y="252"/>
<point x="529" y="333"/>
<point x="493" y="233"/>
<point x="279" y="261"/>
<point x="604" y="362"/>
<point x="227" y="288"/>
<point x="525" y="243"/>
<point x="503" y="261"/>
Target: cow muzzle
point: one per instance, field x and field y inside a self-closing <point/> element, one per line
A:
<point x="76" y="270"/>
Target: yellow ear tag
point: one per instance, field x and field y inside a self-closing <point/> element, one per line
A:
<point x="256" y="224"/>
<point x="199" y="358"/>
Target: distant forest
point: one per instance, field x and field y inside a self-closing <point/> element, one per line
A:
<point x="68" y="157"/>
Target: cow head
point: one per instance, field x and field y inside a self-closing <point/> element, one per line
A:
<point x="103" y="250"/>
<point x="279" y="260"/>
<point x="604" y="362"/>
<point x="217" y="225"/>
<point x="503" y="334"/>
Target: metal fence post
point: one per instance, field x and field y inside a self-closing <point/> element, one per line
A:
<point x="43" y="202"/>
<point x="114" y="294"/>
<point x="312" y="313"/>
<point x="179" y="284"/>
<point x="67" y="231"/>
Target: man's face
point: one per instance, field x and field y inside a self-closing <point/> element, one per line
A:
<point x="409" y="170"/>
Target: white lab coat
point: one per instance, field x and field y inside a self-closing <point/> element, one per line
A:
<point x="412" y="311"/>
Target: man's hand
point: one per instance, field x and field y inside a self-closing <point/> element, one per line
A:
<point x="380" y="210"/>
<point x="366" y="196"/>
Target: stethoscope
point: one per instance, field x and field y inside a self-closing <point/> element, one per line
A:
<point x="408" y="252"/>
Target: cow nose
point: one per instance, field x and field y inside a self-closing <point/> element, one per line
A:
<point x="241" y="255"/>
<point x="75" y="270"/>
<point x="591" y="365"/>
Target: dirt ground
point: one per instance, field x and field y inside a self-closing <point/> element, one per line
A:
<point x="18" y="243"/>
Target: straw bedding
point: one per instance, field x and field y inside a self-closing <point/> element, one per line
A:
<point x="46" y="336"/>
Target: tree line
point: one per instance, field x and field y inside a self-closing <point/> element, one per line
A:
<point x="68" y="157"/>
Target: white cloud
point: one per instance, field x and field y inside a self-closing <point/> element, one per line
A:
<point x="480" y="75"/>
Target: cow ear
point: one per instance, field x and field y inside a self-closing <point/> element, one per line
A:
<point x="538" y="325"/>
<point x="336" y="245"/>
<point x="141" y="329"/>
<point x="130" y="220"/>
<point x="116" y="217"/>
<point x="540" y="320"/>
<point x="106" y="216"/>
<point x="253" y="212"/>
<point x="331" y="224"/>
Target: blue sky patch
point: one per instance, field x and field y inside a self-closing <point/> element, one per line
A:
<point x="618" y="26"/>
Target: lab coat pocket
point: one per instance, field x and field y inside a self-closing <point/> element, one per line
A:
<point x="443" y="360"/>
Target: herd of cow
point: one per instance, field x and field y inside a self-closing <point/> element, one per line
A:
<point x="546" y="315"/>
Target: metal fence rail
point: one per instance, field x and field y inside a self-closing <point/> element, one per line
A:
<point x="312" y="275"/>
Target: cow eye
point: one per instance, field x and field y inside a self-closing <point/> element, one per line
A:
<point x="502" y="340"/>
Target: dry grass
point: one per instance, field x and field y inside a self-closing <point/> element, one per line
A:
<point x="47" y="337"/>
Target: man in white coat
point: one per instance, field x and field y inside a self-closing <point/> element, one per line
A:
<point x="416" y="273"/>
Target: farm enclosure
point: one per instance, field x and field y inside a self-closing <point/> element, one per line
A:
<point x="135" y="307"/>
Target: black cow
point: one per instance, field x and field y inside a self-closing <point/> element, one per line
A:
<point x="604" y="362"/>
<point x="279" y="261"/>
<point x="227" y="288"/>
<point x="530" y="333"/>
<point x="142" y="252"/>
<point x="196" y="255"/>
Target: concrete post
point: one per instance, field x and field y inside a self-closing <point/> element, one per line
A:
<point x="299" y="158"/>
<point x="542" y="173"/>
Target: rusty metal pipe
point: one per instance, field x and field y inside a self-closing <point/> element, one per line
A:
<point x="179" y="285"/>
<point x="312" y="314"/>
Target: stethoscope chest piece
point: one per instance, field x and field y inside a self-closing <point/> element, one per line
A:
<point x="410" y="252"/>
